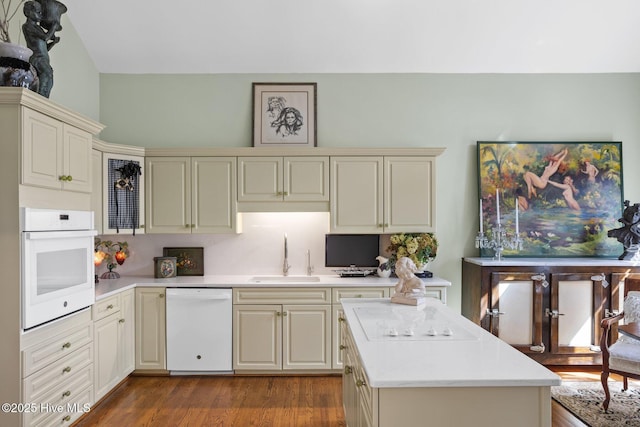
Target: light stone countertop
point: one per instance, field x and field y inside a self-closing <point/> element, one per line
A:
<point x="470" y="357"/>
<point x="549" y="262"/>
<point x="108" y="287"/>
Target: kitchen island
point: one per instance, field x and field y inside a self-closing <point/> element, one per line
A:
<point x="428" y="365"/>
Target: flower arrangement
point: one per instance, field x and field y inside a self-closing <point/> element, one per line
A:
<point x="419" y="247"/>
<point x="6" y="14"/>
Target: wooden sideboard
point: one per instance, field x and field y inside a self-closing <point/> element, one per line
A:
<point x="549" y="309"/>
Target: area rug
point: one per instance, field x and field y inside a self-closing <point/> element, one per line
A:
<point x="584" y="400"/>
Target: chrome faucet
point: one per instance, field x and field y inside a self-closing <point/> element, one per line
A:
<point x="309" y="266"/>
<point x="285" y="264"/>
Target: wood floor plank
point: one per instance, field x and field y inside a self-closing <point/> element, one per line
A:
<point x="240" y="401"/>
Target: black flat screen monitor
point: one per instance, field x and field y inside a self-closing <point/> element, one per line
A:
<point x="345" y="250"/>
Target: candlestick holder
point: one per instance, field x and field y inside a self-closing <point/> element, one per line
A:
<point x="498" y="242"/>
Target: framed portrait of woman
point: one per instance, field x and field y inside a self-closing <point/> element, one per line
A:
<point x="560" y="197"/>
<point x="284" y="114"/>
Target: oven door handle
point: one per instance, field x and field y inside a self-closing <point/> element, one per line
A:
<point x="41" y="235"/>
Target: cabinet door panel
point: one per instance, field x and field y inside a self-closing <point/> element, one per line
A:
<point x="107" y="350"/>
<point x="516" y="310"/>
<point x="213" y="194"/>
<point x="306" y="179"/>
<point x="168" y="195"/>
<point x="307" y="333"/>
<point x="151" y="340"/>
<point x="260" y="179"/>
<point x="42" y="150"/>
<point x="77" y="159"/>
<point x="575" y="312"/>
<point x="356" y="194"/>
<point x="409" y="194"/>
<point x="257" y="337"/>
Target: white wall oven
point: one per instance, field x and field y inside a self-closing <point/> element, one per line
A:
<point x="57" y="263"/>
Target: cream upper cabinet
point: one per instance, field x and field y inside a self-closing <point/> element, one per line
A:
<point x="409" y="194"/>
<point x="289" y="179"/>
<point x="96" y="189"/>
<point x="191" y="195"/>
<point x="356" y="194"/>
<point x="382" y="194"/>
<point x="122" y="196"/>
<point x="55" y="154"/>
<point x="168" y="194"/>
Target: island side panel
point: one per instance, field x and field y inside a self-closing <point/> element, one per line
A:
<point x="465" y="406"/>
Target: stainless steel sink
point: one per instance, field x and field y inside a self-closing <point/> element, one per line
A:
<point x="285" y="279"/>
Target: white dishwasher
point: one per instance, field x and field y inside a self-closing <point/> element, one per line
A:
<point x="199" y="330"/>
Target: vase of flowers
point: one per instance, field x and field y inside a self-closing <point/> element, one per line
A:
<point x="419" y="247"/>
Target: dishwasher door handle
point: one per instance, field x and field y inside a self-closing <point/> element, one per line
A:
<point x="200" y="297"/>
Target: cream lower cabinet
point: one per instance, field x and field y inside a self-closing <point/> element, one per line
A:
<point x="150" y="332"/>
<point x="114" y="330"/>
<point x="360" y="401"/>
<point x="289" y="179"/>
<point x="187" y="195"/>
<point x="55" y="154"/>
<point x="382" y="194"/>
<point x="337" y="346"/>
<point x="281" y="329"/>
<point x="57" y="371"/>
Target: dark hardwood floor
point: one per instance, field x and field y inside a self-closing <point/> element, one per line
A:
<point x="243" y="401"/>
<point x="225" y="401"/>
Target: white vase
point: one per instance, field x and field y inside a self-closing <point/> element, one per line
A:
<point x="12" y="50"/>
<point x="15" y="69"/>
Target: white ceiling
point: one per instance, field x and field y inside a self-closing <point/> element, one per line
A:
<point x="359" y="36"/>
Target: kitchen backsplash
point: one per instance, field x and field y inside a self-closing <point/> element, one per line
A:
<point x="259" y="249"/>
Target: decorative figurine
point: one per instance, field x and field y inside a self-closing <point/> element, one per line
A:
<point x="43" y="20"/>
<point x="384" y="269"/>
<point x="409" y="289"/>
<point x="629" y="233"/>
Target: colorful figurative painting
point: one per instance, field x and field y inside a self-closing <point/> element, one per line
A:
<point x="562" y="196"/>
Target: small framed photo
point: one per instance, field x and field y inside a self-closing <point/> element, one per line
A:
<point x="189" y="261"/>
<point x="284" y="114"/>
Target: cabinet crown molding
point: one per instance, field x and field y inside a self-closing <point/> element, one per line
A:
<point x="30" y="99"/>
<point x="284" y="151"/>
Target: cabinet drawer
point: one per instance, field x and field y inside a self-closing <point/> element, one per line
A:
<point x="339" y="293"/>
<point x="37" y="357"/>
<point x="105" y="307"/>
<point x="71" y="411"/>
<point x="66" y="392"/>
<point x="57" y="374"/>
<point x="281" y="296"/>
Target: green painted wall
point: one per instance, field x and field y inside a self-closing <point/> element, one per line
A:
<point x="76" y="81"/>
<point x="387" y="110"/>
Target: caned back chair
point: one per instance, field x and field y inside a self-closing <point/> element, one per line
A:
<point x="622" y="357"/>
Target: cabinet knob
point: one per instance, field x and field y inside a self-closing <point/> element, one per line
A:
<point x="187" y="225"/>
<point x="67" y="369"/>
<point x="340" y="319"/>
<point x="284" y="313"/>
<point x="359" y="383"/>
<point x="67" y="418"/>
<point x="69" y="178"/>
<point x="348" y="369"/>
<point x="110" y="306"/>
<point x="141" y="226"/>
<point x="121" y="320"/>
<point x="285" y="193"/>
<point x="342" y="346"/>
<point x="161" y="296"/>
<point x="66" y="345"/>
<point x="193" y="226"/>
<point x="66" y="393"/>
